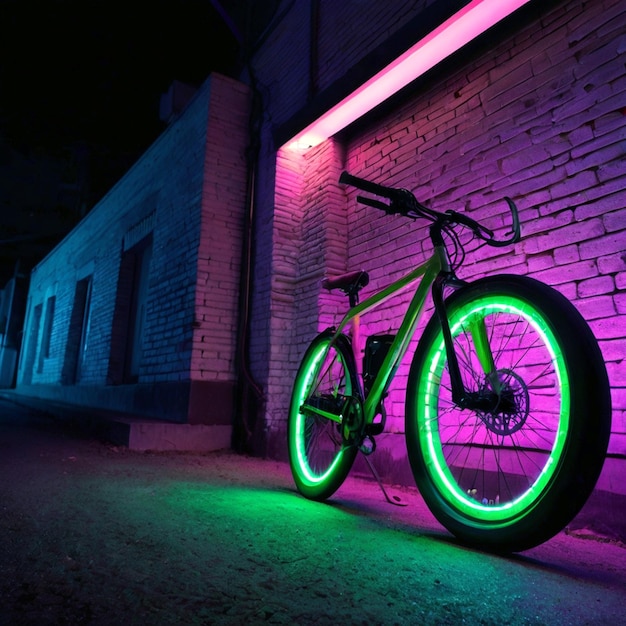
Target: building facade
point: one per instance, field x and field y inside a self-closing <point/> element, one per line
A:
<point x="135" y="311"/>
<point x="531" y="107"/>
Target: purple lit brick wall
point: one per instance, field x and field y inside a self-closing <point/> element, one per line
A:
<point x="221" y="232"/>
<point x="287" y="78"/>
<point x="539" y="116"/>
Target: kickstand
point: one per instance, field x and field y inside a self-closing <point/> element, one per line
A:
<point x="394" y="499"/>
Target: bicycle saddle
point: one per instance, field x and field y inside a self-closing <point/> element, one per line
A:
<point x="349" y="283"/>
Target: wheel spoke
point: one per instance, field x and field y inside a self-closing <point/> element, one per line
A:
<point x="497" y="469"/>
<point x="498" y="452"/>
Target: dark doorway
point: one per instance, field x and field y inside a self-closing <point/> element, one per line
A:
<point x="78" y="335"/>
<point x="129" y="320"/>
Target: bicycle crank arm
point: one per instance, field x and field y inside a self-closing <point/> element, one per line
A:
<point x="311" y="411"/>
<point x="333" y="409"/>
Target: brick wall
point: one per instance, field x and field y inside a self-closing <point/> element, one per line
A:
<point x="221" y="233"/>
<point x="539" y="118"/>
<point x="301" y="58"/>
<point x="186" y="193"/>
<point x="348" y="30"/>
<point x="156" y="183"/>
<point x="537" y="115"/>
<point x="310" y="235"/>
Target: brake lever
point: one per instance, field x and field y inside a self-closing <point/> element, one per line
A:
<point x="515" y="226"/>
<point x="485" y="233"/>
<point x="477" y="228"/>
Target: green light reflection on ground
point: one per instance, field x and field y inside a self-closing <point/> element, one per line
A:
<point x="150" y="539"/>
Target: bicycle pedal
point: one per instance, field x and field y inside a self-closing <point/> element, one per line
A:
<point x="368" y="445"/>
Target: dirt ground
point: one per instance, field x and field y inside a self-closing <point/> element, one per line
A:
<point x="95" y="534"/>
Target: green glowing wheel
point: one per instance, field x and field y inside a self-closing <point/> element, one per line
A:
<point x="513" y="470"/>
<point x="322" y="445"/>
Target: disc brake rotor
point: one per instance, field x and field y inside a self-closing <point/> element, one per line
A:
<point x="510" y="406"/>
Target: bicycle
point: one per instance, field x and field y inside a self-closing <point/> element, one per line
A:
<point x="508" y="408"/>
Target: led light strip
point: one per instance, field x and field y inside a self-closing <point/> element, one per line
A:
<point x="465" y="25"/>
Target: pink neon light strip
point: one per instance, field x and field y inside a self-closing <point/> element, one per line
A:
<point x="454" y="33"/>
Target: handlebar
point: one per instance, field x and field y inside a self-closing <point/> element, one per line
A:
<point x="369" y="186"/>
<point x="403" y="202"/>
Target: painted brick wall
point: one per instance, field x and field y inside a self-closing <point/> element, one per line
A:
<point x="348" y="30"/>
<point x="221" y="233"/>
<point x="310" y="231"/>
<point x="167" y="179"/>
<point x="283" y="75"/>
<point x="540" y="117"/>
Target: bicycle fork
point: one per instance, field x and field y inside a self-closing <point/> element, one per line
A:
<point x="474" y="400"/>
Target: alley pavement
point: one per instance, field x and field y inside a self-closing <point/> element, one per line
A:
<point x="93" y="533"/>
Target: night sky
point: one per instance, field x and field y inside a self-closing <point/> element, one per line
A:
<point x="91" y="73"/>
<point x="92" y="70"/>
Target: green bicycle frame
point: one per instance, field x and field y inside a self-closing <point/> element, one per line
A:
<point x="435" y="272"/>
<point x="426" y="274"/>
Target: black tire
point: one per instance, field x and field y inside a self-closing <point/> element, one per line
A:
<point x="513" y="474"/>
<point x="319" y="455"/>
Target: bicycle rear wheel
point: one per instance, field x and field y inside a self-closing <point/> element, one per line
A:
<point x="321" y="450"/>
<point x="513" y="472"/>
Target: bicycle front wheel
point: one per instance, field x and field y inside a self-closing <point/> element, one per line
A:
<point x="321" y="452"/>
<point x="513" y="470"/>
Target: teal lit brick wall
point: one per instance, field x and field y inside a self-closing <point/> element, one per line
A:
<point x="187" y="193"/>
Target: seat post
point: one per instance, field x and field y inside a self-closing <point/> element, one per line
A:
<point x="353" y="297"/>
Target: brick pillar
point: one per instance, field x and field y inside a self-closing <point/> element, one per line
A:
<point x="310" y="242"/>
<point x="324" y="233"/>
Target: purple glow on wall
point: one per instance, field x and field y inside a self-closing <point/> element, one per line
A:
<point x="461" y="28"/>
<point x="537" y="116"/>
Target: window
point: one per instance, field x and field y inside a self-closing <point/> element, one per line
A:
<point x="129" y="319"/>
<point x="44" y="350"/>
<point x="31" y="349"/>
<point x="134" y="348"/>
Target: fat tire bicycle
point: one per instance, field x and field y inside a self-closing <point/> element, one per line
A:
<point x="508" y="408"/>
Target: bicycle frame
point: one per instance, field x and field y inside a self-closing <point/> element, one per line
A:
<point x="426" y="274"/>
<point x="435" y="273"/>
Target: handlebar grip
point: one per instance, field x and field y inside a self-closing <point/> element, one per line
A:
<point x="366" y="185"/>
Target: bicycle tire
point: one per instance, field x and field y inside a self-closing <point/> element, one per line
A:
<point x="509" y="477"/>
<point x="319" y="456"/>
